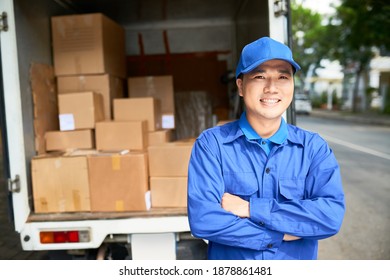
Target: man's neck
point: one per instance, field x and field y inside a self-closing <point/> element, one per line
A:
<point x="265" y="128"/>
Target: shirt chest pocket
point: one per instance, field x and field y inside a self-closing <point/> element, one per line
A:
<point x="243" y="184"/>
<point x="291" y="189"/>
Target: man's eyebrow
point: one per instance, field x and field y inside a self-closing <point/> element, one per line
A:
<point x="285" y="71"/>
<point x="258" y="70"/>
<point x="281" y="71"/>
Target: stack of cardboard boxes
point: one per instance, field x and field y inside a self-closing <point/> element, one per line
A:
<point x="168" y="167"/>
<point x="112" y="153"/>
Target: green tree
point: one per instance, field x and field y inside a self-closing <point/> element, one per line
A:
<point x="306" y="29"/>
<point x="350" y="36"/>
<point x="359" y="26"/>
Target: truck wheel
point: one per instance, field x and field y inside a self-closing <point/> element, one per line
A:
<point x="195" y="249"/>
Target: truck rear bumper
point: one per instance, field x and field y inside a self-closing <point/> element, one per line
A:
<point x="137" y="226"/>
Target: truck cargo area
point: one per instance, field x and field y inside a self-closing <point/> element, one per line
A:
<point x="196" y="43"/>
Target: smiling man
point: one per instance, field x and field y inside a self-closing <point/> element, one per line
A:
<point x="259" y="188"/>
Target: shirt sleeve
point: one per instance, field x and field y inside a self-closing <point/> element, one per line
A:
<point x="319" y="213"/>
<point x="208" y="220"/>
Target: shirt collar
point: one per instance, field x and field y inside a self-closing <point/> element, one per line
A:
<point x="284" y="132"/>
<point x="278" y="138"/>
<point x="281" y="135"/>
<point x="246" y="128"/>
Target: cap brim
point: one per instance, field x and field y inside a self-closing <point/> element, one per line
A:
<point x="257" y="63"/>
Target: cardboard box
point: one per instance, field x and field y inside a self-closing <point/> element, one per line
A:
<point x="108" y="86"/>
<point x="88" y="44"/>
<point x="119" y="182"/>
<point x="121" y="135"/>
<point x="170" y="159"/>
<point x="60" y="184"/>
<point x="45" y="103"/>
<point x="65" y="140"/>
<point x="138" y="109"/>
<point x="160" y="137"/>
<point x="159" y="87"/>
<point x="80" y="110"/>
<point x="168" y="191"/>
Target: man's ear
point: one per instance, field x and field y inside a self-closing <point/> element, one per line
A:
<point x="239" y="86"/>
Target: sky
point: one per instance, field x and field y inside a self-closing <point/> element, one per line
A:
<point x="320" y="6"/>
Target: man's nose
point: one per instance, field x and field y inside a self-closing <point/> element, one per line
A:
<point x="270" y="86"/>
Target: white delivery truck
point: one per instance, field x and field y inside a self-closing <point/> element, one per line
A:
<point x="173" y="33"/>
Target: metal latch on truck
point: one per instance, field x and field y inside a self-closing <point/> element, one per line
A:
<point x="3" y="22"/>
<point x="14" y="185"/>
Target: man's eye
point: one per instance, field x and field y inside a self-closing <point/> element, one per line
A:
<point x="259" y="77"/>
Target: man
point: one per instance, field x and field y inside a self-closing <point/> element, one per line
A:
<point x="259" y="188"/>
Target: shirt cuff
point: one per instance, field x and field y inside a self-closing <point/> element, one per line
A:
<point x="260" y="211"/>
<point x="271" y="240"/>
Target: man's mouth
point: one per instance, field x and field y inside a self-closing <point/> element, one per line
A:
<point x="269" y="101"/>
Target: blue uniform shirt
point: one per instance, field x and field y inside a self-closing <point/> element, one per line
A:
<point x="295" y="189"/>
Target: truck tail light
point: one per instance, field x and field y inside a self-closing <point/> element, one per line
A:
<point x="72" y="236"/>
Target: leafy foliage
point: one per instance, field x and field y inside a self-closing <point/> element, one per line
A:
<point x="350" y="36"/>
<point x="306" y="25"/>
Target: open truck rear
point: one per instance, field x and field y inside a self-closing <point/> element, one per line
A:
<point x="197" y="42"/>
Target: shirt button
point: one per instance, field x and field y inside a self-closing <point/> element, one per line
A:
<point x="269" y="246"/>
<point x="261" y="223"/>
<point x="263" y="142"/>
<point x="267" y="170"/>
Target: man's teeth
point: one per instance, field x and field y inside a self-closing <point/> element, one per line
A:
<point x="269" y="101"/>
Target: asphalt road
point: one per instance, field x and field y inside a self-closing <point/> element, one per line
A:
<point x="363" y="152"/>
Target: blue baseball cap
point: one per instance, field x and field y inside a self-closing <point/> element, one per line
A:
<point x="262" y="50"/>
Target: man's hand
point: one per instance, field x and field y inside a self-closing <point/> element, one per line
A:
<point x="236" y="205"/>
<point x="288" y="237"/>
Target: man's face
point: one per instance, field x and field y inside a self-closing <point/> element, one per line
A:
<point x="267" y="90"/>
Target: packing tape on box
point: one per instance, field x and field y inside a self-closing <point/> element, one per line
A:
<point x="61" y="204"/>
<point x="44" y="207"/>
<point x="81" y="83"/>
<point x="151" y="87"/>
<point x="57" y="163"/>
<point x="119" y="205"/>
<point x="116" y="162"/>
<point x="76" y="200"/>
